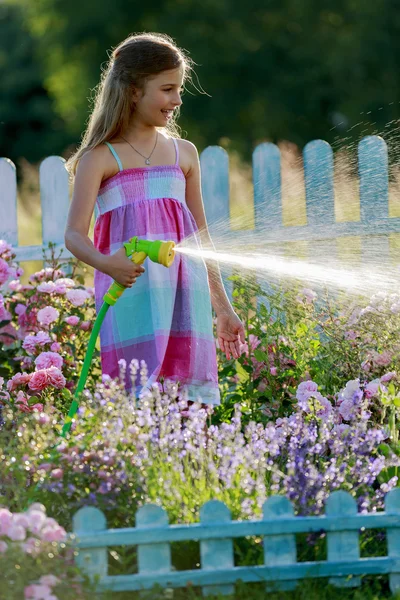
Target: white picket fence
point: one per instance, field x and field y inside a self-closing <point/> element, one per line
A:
<point x="374" y="225"/>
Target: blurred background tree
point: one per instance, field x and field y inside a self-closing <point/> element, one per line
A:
<point x="273" y="69"/>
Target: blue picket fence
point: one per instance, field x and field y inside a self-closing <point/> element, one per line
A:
<point x="278" y="527"/>
<point x="374" y="226"/>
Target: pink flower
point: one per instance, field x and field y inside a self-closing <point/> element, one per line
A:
<point x="65" y="281"/>
<point x="85" y="325"/>
<point x="29" y="344"/>
<point x="38" y="407"/>
<point x="17" y="380"/>
<point x="37" y="519"/>
<point x="53" y="533"/>
<point x="56" y="378"/>
<point x="5" y="520"/>
<point x="273" y="371"/>
<point x="388" y="376"/>
<point x="49" y="359"/>
<point x="55" y="347"/>
<point x="72" y="320"/>
<point x="77" y="297"/>
<point x="305" y="390"/>
<point x="57" y="473"/>
<point x="4" y="271"/>
<point x="371" y="389"/>
<point x="38" y="591"/>
<point x="14" y="285"/>
<point x="44" y="419"/>
<point x="50" y="580"/>
<point x="42" y="338"/>
<point x="16" y="533"/>
<point x="47" y="315"/>
<point x="39" y="380"/>
<point x="20" y="309"/>
<point x="47" y="287"/>
<point x="5" y="248"/>
<point x="382" y="359"/>
<point x="8" y="334"/>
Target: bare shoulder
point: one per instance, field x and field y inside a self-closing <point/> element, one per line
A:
<point x="97" y="163"/>
<point x="188" y="155"/>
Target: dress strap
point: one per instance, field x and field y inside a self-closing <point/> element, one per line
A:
<point x="176" y="151"/>
<point x="115" y="155"/>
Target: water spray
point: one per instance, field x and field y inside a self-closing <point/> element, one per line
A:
<point x="137" y="251"/>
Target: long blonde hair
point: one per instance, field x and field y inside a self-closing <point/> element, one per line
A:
<point x="132" y="62"/>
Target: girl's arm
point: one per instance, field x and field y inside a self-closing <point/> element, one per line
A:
<point x="230" y="330"/>
<point x="90" y="172"/>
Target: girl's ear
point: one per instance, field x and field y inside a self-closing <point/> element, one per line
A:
<point x="136" y="94"/>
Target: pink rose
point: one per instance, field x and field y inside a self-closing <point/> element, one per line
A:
<point x="37" y="407"/>
<point x="85" y="325"/>
<point x="8" y="334"/>
<point x="47" y="287"/>
<point x="53" y="533"/>
<point x="20" y="309"/>
<point x="50" y="580"/>
<point x="49" y="359"/>
<point x="14" y="285"/>
<point x="4" y="271"/>
<point x="56" y="378"/>
<point x="47" y="315"/>
<point x="17" y="380"/>
<point x="65" y="281"/>
<point x="273" y="371"/>
<point x="77" y="297"/>
<point x="5" y="520"/>
<point x="29" y="344"/>
<point x="39" y="380"/>
<point x="55" y="347"/>
<point x="72" y="320"/>
<point x="16" y="533"/>
<point x="42" y="338"/>
<point x="57" y="473"/>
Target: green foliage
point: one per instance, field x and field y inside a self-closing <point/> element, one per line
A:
<point x="288" y="70"/>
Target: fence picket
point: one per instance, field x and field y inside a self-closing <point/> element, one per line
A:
<point x="218" y="553"/>
<point x="54" y="191"/>
<point x="279" y="549"/>
<point x="8" y="202"/>
<point x="392" y="507"/>
<point x="93" y="561"/>
<point x="214" y="163"/>
<point x="374" y="196"/>
<point x="320" y="198"/>
<point x="345" y="544"/>
<point x="153" y="558"/>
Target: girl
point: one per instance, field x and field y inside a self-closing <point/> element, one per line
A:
<point x="145" y="181"/>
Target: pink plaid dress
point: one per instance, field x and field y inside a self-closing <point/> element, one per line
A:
<point x="165" y="318"/>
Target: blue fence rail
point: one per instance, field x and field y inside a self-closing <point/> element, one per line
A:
<point x="278" y="526"/>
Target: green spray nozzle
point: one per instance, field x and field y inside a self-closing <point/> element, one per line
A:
<point x="137" y="250"/>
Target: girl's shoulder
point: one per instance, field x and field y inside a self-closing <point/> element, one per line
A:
<point x="188" y="155"/>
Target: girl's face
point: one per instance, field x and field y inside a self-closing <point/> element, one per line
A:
<point x="161" y="96"/>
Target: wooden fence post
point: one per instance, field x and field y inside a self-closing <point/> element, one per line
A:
<point x="374" y="196"/>
<point x="54" y="195"/>
<point x="214" y="162"/>
<point x="93" y="561"/>
<point x="153" y="559"/>
<point x="279" y="549"/>
<point x="392" y="506"/>
<point x="8" y="202"/>
<point x="218" y="553"/>
<point x="320" y="198"/>
<point x="343" y="545"/>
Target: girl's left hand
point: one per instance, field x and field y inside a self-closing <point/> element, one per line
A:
<point x="230" y="334"/>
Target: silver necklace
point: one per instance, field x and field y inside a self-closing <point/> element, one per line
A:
<point x="146" y="158"/>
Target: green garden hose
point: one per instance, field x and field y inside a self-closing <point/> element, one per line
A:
<point x="137" y="250"/>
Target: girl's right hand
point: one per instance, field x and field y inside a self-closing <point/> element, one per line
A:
<point x="122" y="269"/>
